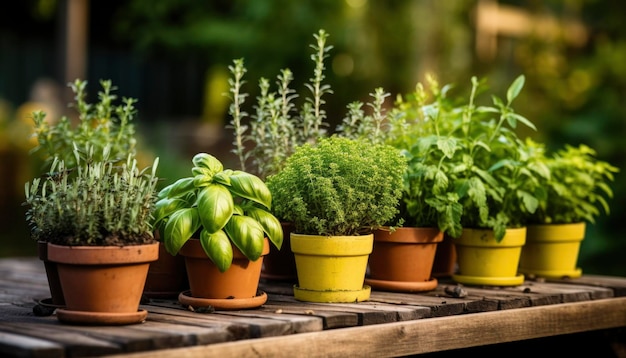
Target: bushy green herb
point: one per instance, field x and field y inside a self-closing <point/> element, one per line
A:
<point x="100" y="124"/>
<point x="466" y="165"/>
<point x="577" y="187"/>
<point x="339" y="186"/>
<point x="95" y="202"/>
<point x="277" y="127"/>
<point x="220" y="206"/>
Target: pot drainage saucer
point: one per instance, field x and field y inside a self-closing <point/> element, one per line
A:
<point x="100" y="318"/>
<point x="402" y="286"/>
<point x="224" y="304"/>
<point x="338" y="296"/>
<point x="558" y="274"/>
<point x="489" y="281"/>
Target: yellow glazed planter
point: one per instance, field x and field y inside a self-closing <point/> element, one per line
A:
<point x="551" y="251"/>
<point x="331" y="268"/>
<point x="483" y="261"/>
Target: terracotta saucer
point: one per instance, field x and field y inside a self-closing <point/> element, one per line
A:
<point x="489" y="281"/>
<point x="100" y="318"/>
<point x="45" y="307"/>
<point x="402" y="286"/>
<point x="224" y="304"/>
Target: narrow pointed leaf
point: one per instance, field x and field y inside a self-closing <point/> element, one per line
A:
<point x="515" y="89"/>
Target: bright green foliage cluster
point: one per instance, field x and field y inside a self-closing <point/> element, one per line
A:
<point x="96" y="202"/>
<point x="100" y="124"/>
<point x="467" y="166"/>
<point x="577" y="187"/>
<point x="339" y="186"/>
<point x="221" y="206"/>
<point x="277" y="127"/>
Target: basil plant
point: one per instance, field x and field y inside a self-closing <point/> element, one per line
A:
<point x="219" y="207"/>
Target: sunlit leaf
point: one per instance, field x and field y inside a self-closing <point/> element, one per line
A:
<point x="180" y="226"/>
<point x="215" y="207"/>
<point x="271" y="225"/>
<point x="218" y="248"/>
<point x="247" y="234"/>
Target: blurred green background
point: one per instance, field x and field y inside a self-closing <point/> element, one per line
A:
<point x="173" y="55"/>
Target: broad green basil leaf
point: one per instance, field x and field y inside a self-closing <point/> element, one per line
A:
<point x="207" y="161"/>
<point x="215" y="207"/>
<point x="270" y="225"/>
<point x="247" y="234"/>
<point x="166" y="206"/>
<point x="201" y="180"/>
<point x="218" y="248"/>
<point x="222" y="177"/>
<point x="250" y="187"/>
<point x="180" y="187"/>
<point x="180" y="226"/>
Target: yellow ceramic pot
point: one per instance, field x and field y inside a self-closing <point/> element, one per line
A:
<point x="331" y="268"/>
<point x="484" y="261"/>
<point x="551" y="251"/>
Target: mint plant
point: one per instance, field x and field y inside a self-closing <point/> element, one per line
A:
<point x="577" y="188"/>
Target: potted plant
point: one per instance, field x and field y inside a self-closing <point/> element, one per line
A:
<point x="219" y="220"/>
<point x="335" y="193"/>
<point x="95" y="217"/>
<point x="275" y="129"/>
<point x="575" y="192"/>
<point x="498" y="185"/>
<point x="100" y="124"/>
<point x="404" y="250"/>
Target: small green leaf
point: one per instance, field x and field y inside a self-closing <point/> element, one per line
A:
<point x="180" y="226"/>
<point x="218" y="248"/>
<point x="523" y="120"/>
<point x="515" y="89"/>
<point x="215" y="207"/>
<point x="448" y="146"/>
<point x="247" y="234"/>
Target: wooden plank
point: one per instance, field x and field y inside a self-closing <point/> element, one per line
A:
<point x="298" y="323"/>
<point x="330" y="319"/>
<point x="16" y="345"/>
<point x="426" y="335"/>
<point x="616" y="284"/>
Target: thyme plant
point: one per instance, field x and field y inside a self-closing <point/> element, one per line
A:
<point x="97" y="201"/>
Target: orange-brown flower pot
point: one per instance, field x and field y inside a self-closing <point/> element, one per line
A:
<point x="56" y="291"/>
<point x="280" y="265"/>
<point x="236" y="288"/>
<point x="402" y="260"/>
<point x="102" y="285"/>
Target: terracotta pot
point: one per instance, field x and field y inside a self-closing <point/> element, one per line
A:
<point x="484" y="261"/>
<point x="211" y="287"/>
<point x="402" y="260"/>
<point x="445" y="264"/>
<point x="167" y="276"/>
<point x="280" y="265"/>
<point x="331" y="268"/>
<point x="54" y="283"/>
<point x="102" y="285"/>
<point x="551" y="251"/>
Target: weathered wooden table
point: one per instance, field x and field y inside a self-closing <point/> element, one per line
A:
<point x="389" y="324"/>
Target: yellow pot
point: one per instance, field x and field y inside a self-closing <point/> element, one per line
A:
<point x="551" y="251"/>
<point x="484" y="261"/>
<point x="331" y="268"/>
